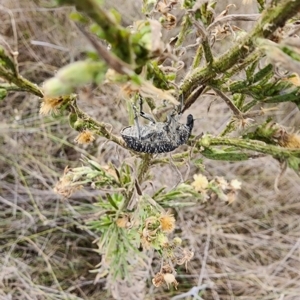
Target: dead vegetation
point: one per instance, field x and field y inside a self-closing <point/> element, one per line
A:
<point x="247" y="250"/>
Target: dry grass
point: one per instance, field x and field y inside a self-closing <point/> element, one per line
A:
<point x="249" y="250"/>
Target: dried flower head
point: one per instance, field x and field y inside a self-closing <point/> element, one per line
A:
<point x="165" y="275"/>
<point x="235" y="184"/>
<point x="145" y="242"/>
<point x="167" y="222"/>
<point x="221" y="182"/>
<point x="294" y="78"/>
<point x="124" y="221"/>
<point x="148" y="235"/>
<point x="84" y="137"/>
<point x="150" y="222"/>
<point x="184" y="257"/>
<point x="220" y="32"/>
<point x="200" y="182"/>
<point x="166" y="269"/>
<point x="111" y="171"/>
<point x="50" y="105"/>
<point x="231" y="196"/>
<point x="177" y="241"/>
<point x="286" y="139"/>
<point x="163" y="7"/>
<point x="170" y="279"/>
<point x="161" y="241"/>
<point x="158" y="279"/>
<point x="128" y="89"/>
<point x="242" y="123"/>
<point x="66" y="187"/>
<point x="168" y="21"/>
<point x="223" y="190"/>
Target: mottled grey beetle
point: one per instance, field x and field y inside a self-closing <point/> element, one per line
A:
<point x="157" y="137"/>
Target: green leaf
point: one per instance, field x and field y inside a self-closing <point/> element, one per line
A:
<point x="224" y="155"/>
<point x="111" y="201"/>
<point x="3" y="93"/>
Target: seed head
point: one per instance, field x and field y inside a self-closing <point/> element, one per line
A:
<point x="167" y="222"/>
<point x="221" y="182"/>
<point x="66" y="186"/>
<point x="84" y="137"/>
<point x="200" y="182"/>
<point x="158" y="279"/>
<point x="287" y="140"/>
<point x="184" y="257"/>
<point x="50" y="105"/>
<point x="235" y="184"/>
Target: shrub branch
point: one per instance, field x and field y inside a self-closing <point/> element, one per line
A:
<point x="271" y="19"/>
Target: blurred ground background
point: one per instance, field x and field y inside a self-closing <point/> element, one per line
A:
<point x="248" y="250"/>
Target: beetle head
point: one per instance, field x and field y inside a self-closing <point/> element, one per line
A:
<point x="190" y="122"/>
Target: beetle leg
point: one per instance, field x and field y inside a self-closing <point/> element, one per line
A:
<point x="136" y="121"/>
<point x="181" y="105"/>
<point x="168" y="123"/>
<point x="144" y="115"/>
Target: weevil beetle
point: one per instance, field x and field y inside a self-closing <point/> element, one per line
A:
<point x="157" y="137"/>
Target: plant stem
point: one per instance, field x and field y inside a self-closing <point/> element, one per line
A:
<point x="254" y="56"/>
<point x="11" y="87"/>
<point x="20" y="82"/>
<point x="233" y="17"/>
<point x="99" y="128"/>
<point x="275" y="151"/>
<point x="143" y="167"/>
<point x="229" y="103"/>
<point x="271" y="19"/>
<point x="198" y="57"/>
<point x="205" y="42"/>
